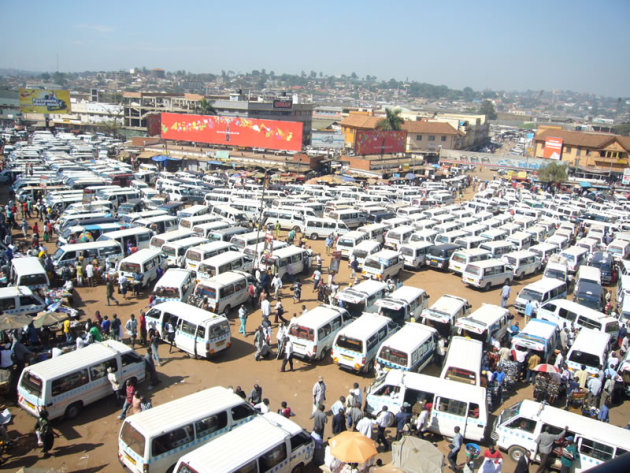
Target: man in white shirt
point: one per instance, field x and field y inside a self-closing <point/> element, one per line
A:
<point x="384" y="420"/>
<point x="265" y="307"/>
<point x="357" y="394"/>
<point x="319" y="393"/>
<point x="263" y="407"/>
<point x="364" y="426"/>
<point x="89" y="274"/>
<point x="276" y="284"/>
<point x="422" y="422"/>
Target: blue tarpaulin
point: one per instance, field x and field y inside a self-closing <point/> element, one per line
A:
<point x="160" y="158"/>
<point x="348" y="178"/>
<point x="411" y="176"/>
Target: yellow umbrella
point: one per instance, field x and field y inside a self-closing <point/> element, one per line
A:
<point x="352" y="447"/>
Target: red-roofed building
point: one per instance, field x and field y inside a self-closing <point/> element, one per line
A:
<point x="429" y="136"/>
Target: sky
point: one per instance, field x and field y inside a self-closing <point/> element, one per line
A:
<point x="503" y="45"/>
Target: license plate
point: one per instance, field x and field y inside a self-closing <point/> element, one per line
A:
<point x="29" y="404"/>
<point x="470" y="280"/>
<point x="434" y="261"/>
<point x="297" y="345"/>
<point x="346" y="357"/>
<point x="220" y="342"/>
<point x="131" y="460"/>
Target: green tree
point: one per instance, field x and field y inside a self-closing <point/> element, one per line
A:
<point x="392" y="120"/>
<point x="622" y="129"/>
<point x="206" y="108"/>
<point x="487" y="109"/>
<point x="553" y="173"/>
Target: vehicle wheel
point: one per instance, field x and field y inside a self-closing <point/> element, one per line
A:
<point x="171" y="469"/>
<point x="516" y="453"/>
<point x="227" y="309"/>
<point x="314" y="236"/>
<point x="298" y="469"/>
<point x="324" y="355"/>
<point x="296" y="229"/>
<point x="73" y="410"/>
<point x="486" y="287"/>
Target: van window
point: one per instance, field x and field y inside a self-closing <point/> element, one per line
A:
<point x="394" y="356"/>
<point x="172" y="440"/>
<point x="300" y="439"/>
<point x="242" y="411"/>
<point x="350" y="343"/>
<point x="188" y="328"/>
<point x="69" y="382"/>
<point x="273" y="457"/>
<point x="568" y="315"/>
<point x="372" y="342"/>
<point x="100" y="371"/>
<point x="596" y="450"/>
<point x="7" y="304"/>
<point x="130" y="358"/>
<point x="211" y="424"/>
<point x="583" y="358"/>
<point x="304" y="333"/>
<point x="452" y="406"/>
<point x="588" y="323"/>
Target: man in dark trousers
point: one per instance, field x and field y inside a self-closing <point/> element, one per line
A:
<point x="522" y="466"/>
<point x="339" y="422"/>
<point x="288" y="354"/>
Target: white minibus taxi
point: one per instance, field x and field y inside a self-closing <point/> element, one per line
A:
<point x="224" y="291"/>
<point x="544" y="251"/>
<point x="538" y="336"/>
<point x="67" y="383"/>
<point x="443" y="314"/>
<point x="374" y="231"/>
<point x="522" y="263"/>
<point x="247" y="239"/>
<point x="269" y="443"/>
<point x="398" y="236"/>
<point x="590" y="349"/>
<point x="161" y="239"/>
<point x="205" y="229"/>
<point x="362" y="297"/>
<point x="539" y="293"/>
<point x="619" y="249"/>
<point x="316" y="227"/>
<point x="568" y="313"/>
<point x="518" y="428"/>
<point x="175" y="251"/>
<point x="189" y="223"/>
<point x="462" y="258"/>
<point x="222" y="263"/>
<point x="486" y="323"/>
<point x="28" y="271"/>
<point x="174" y="285"/>
<point x="487" y="273"/>
<point x="136" y="237"/>
<point x="351" y="217"/>
<point x="520" y="240"/>
<point x="383" y="265"/>
<point x="497" y="248"/>
<point x="313" y="332"/>
<point x="363" y="250"/>
<point x="290" y="261"/>
<point x="155" y="439"/>
<point x="574" y="256"/>
<point x="145" y="261"/>
<point x="410" y="349"/>
<point x="348" y="241"/>
<point x="257" y="250"/>
<point x="463" y="361"/>
<point x="357" y="343"/>
<point x="158" y="223"/>
<point x="16" y="300"/>
<point x="196" y="254"/>
<point x="102" y="251"/>
<point x="454" y="403"/>
<point x="403" y="304"/>
<point x="414" y="253"/>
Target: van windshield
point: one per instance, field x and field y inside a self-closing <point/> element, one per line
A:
<point x="458" y="258"/>
<point x="555" y="274"/>
<point x="158" y="242"/>
<point x="530" y="295"/>
<point x="361" y="254"/>
<point x="461" y="375"/>
<point x="33" y="279"/>
<point x="163" y="291"/>
<point x="169" y="251"/>
<point x="303" y="333"/>
<point x="206" y="291"/>
<point x="32" y="384"/>
<point x="583" y="358"/>
<point x="207" y="271"/>
<point x="407" y="251"/>
<point x="474" y="270"/>
<point x="194" y="256"/>
<point x="372" y="263"/>
<point x="349" y="343"/>
<point x="394" y="356"/>
<point x="133" y="439"/>
<point x="126" y="267"/>
<point x="345" y="242"/>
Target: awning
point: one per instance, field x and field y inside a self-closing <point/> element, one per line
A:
<point x="348" y="178"/>
<point x="162" y="157"/>
<point x="410" y="176"/>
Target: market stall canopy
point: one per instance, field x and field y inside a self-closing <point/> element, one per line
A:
<point x="48" y="318"/>
<point x="13" y="322"/>
<point x="160" y="158"/>
<point x="414" y="455"/>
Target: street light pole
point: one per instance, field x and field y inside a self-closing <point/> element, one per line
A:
<point x="260" y="216"/>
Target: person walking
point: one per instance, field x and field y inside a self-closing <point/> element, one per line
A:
<point x="109" y="291"/>
<point x="132" y="329"/>
<point x="115" y="327"/>
<point x="455" y="446"/>
<point x="569" y="452"/>
<point x="150" y="367"/>
<point x="142" y="324"/>
<point x="45" y="433"/>
<point x="130" y="390"/>
<point x="242" y="316"/>
<point x="288" y="354"/>
<point x="319" y="420"/>
<point x="276" y="285"/>
<point x="339" y="422"/>
<point x="265" y="308"/>
<point x="114" y="380"/>
<point x="522" y="466"/>
<point x="354" y="265"/>
<point x="505" y="294"/>
<point x="402" y="418"/>
<point x="170" y="334"/>
<point x="319" y="393"/>
<point x="317" y="276"/>
<point x="154" y="340"/>
<point x="384" y="420"/>
<point x="532" y="362"/>
<point x="545" y="443"/>
<point x="89" y="274"/>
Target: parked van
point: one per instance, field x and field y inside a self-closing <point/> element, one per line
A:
<point x="193" y="211"/>
<point x="410" y="349"/>
<point x="224" y="291"/>
<point x="404" y="304"/>
<point x="67" y="383"/>
<point x="589" y="294"/>
<point x="205" y="229"/>
<point x="222" y="263"/>
<point x="374" y="231"/>
<point x="518" y="428"/>
<point x="538" y="336"/>
<point x="425" y="235"/>
<point x="161" y="239"/>
<point x="590" y="349"/>
<point x="291" y="260"/>
<point x="443" y="314"/>
<point x="159" y="223"/>
<point x="28" y="271"/>
<point x="270" y="442"/>
<point x="190" y="222"/>
<point x="574" y="256"/>
<point x="175" y="251"/>
<point x="454" y="403"/>
<point x="494" y="234"/>
<point x="242" y="240"/>
<point x="497" y="248"/>
<point x="136" y="237"/>
<point x="363" y="250"/>
<point x="589" y="273"/>
<point x="564" y="312"/>
<point x="558" y="240"/>
<point x="226" y="234"/>
<point x="487" y="273"/>
<point x="619" y="249"/>
<point x="86" y="232"/>
<point x="462" y="258"/>
<point x="361" y="297"/>
<point x="398" y="236"/>
<point x="316" y="227"/>
<point x="544" y="251"/>
<point x="539" y="293"/>
<point x="313" y="332"/>
<point x="520" y="240"/>
<point x="351" y="217"/>
<point x="174" y="285"/>
<point x="348" y="241"/>
<point x="486" y="323"/>
<point x="155" y="439"/>
<point x="438" y="256"/>
<point x="103" y="251"/>
<point x="414" y="254"/>
<point x="357" y="343"/>
<point x="145" y="261"/>
<point x="522" y="263"/>
<point x="470" y="242"/>
<point x="257" y="250"/>
<point x="196" y="254"/>
<point x="463" y="361"/>
<point x="383" y="265"/>
<point x="449" y="237"/>
<point x="18" y="300"/>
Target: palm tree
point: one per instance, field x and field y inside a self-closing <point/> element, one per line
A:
<point x="393" y="120"/>
<point x="206" y="108"/>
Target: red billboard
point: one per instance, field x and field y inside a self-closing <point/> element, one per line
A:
<point x="380" y="142"/>
<point x="233" y="131"/>
<point x="553" y="148"/>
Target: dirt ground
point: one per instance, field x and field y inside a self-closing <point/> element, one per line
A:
<point x="89" y="442"/>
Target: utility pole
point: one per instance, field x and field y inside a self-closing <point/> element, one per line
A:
<point x="260" y="216"/>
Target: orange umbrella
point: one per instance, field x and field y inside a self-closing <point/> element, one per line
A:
<point x="352" y="447"/>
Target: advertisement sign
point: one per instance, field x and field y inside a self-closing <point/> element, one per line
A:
<point x="553" y="148"/>
<point x="153" y="124"/>
<point x="233" y="131"/>
<point x="286" y="104"/>
<point x="44" y="101"/>
<point x="380" y="142"/>
<point x="625" y="181"/>
<point x="324" y="139"/>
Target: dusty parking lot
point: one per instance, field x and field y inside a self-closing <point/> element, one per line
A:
<point x="89" y="442"/>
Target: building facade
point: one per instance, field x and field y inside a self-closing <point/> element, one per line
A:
<point x="139" y="105"/>
<point x="431" y="137"/>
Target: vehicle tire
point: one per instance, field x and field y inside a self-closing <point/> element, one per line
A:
<point x="73" y="410"/>
<point x="171" y="469"/>
<point x="325" y="354"/>
<point x="298" y="468"/>
<point x="486" y="287"/>
<point x="516" y="453"/>
<point x="314" y="236"/>
<point x="227" y="309"/>
<point x="296" y="229"/>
